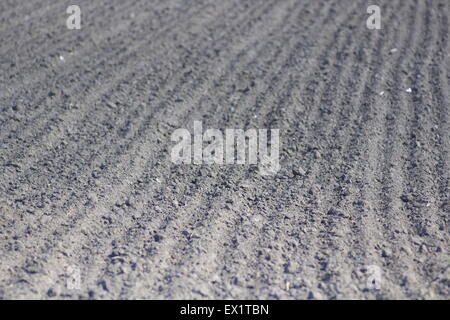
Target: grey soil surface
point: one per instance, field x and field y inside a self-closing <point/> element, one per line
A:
<point x="87" y="182"/>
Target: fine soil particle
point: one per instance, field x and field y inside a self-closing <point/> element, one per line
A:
<point x="88" y="191"/>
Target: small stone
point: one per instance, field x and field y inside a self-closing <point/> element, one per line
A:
<point x="246" y="185"/>
<point x="298" y="171"/>
<point x="102" y="284"/>
<point x="314" y="296"/>
<point x="288" y="285"/>
<point x="18" y="245"/>
<point x="237" y="281"/>
<point x="334" y="212"/>
<point x="289" y="268"/>
<point x="111" y="105"/>
<point x="314" y="189"/>
<point x="130" y="203"/>
<point x="406" y="198"/>
<point x="185" y="233"/>
<point x="407" y="250"/>
<point x="92" y="197"/>
<point x="386" y="253"/>
<point x="51" y="293"/>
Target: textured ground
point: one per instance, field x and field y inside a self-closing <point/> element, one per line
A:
<point x="86" y="178"/>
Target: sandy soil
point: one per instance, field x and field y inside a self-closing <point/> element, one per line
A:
<point x="87" y="182"/>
